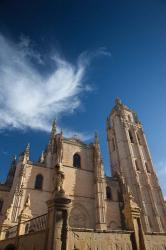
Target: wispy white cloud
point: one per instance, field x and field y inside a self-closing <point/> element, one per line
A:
<point x="161" y="172"/>
<point x="30" y="99"/>
<point x="161" y="168"/>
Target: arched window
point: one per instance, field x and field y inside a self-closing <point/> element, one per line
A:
<point x="108" y="193"/>
<point x="76" y="161"/>
<point x="131" y="137"/>
<point x="39" y="182"/>
<point x="147" y="167"/>
<point x="1" y="205"/>
<point x="136" y="165"/>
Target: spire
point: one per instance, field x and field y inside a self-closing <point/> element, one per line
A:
<point x="53" y="130"/>
<point x="27" y="152"/>
<point x="41" y="158"/>
<point x="24" y="156"/>
<point x="52" y="134"/>
<point x="14" y="161"/>
<point x="13" y="166"/>
<point x="27" y="149"/>
<point x="11" y="173"/>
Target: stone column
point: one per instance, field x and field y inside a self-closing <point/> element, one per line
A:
<point x="58" y="211"/>
<point x="99" y="187"/>
<point x="133" y="221"/>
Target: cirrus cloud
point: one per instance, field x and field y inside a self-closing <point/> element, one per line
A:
<point x="29" y="98"/>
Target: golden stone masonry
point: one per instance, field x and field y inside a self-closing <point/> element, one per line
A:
<point x="65" y="202"/>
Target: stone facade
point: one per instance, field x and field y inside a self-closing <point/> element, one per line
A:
<point x="84" y="208"/>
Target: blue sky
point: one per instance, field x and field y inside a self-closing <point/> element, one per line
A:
<point x="69" y="60"/>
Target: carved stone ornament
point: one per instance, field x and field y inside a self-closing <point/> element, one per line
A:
<point x="59" y="149"/>
<point x="59" y="181"/>
<point x="26" y="213"/>
<point x="19" y="191"/>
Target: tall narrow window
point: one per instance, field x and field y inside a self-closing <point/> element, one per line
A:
<point x="131" y="137"/>
<point x="1" y="205"/>
<point x="113" y="144"/>
<point x="108" y="193"/>
<point x="27" y="228"/>
<point x="129" y="118"/>
<point x="39" y="182"/>
<point x="136" y="165"/>
<point x="139" y="139"/>
<point x="76" y="161"/>
<point x="147" y="167"/>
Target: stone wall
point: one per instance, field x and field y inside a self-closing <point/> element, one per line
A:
<point x="26" y="242"/>
<point x="102" y="241"/>
<point x="82" y="239"/>
<point x="85" y="240"/>
<point x="38" y="198"/>
<point x="155" y="241"/>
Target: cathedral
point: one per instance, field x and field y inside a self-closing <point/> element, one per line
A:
<point x="64" y="201"/>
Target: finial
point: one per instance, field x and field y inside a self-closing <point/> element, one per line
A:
<point x="41" y="159"/>
<point x="118" y="101"/>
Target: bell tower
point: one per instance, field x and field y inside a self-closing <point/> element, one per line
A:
<point x="130" y="158"/>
